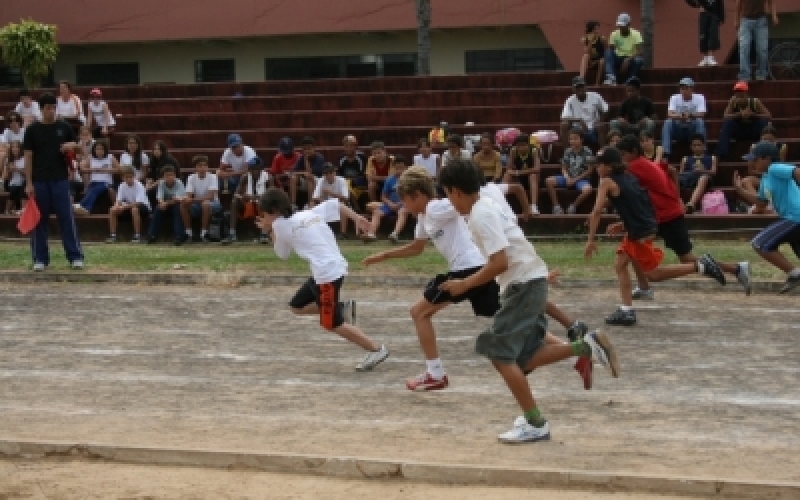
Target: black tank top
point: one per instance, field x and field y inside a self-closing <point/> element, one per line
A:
<point x="524" y="162"/>
<point x="596" y="47"/>
<point x="634" y="207"/>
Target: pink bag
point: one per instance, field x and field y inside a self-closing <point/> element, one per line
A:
<point x="546" y="136"/>
<point x="505" y="137"/>
<point x="715" y="203"/>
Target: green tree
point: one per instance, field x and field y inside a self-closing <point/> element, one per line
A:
<point x="424" y="36"/>
<point x="31" y="47"/>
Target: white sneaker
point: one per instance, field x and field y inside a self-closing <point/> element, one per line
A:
<point x="523" y="432"/>
<point x="571" y="210"/>
<point x="602" y="351"/>
<point x="557" y="210"/>
<point x="743" y="277"/>
<point x="77" y="264"/>
<point x="349" y="311"/>
<point x="704" y="62"/>
<point x="534" y="209"/>
<point x="711" y="61"/>
<point x="610" y="80"/>
<point x="38" y="267"/>
<point x="373" y="359"/>
<point x="79" y="210"/>
<point x="639" y="294"/>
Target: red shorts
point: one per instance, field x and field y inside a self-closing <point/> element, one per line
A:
<point x="643" y="252"/>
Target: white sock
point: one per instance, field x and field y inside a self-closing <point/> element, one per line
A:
<point x="574" y="360"/>
<point x="626" y="308"/>
<point x="794" y="273"/>
<point x="203" y="232"/>
<point x="435" y="368"/>
<point x="233" y="232"/>
<point x="189" y="233"/>
<point x="700" y="267"/>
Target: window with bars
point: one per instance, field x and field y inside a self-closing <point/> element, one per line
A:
<point x="215" y="70"/>
<point x="509" y="60"/>
<point x="107" y="74"/>
<point x="301" y="68"/>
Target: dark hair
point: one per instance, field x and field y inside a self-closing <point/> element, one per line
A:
<point x="14" y="114"/>
<point x="591" y="25"/>
<point x="157" y="163"/>
<point x="11" y="157"/>
<point x="612" y="133"/>
<point x="487" y="136"/>
<point x="328" y="167"/>
<point x="307" y="141"/>
<point x="462" y="175"/>
<point x="399" y="159"/>
<point x="65" y="82"/>
<point x="199" y="159"/>
<point x="646" y="134"/>
<point x="24" y="93"/>
<point x="697" y="137"/>
<point x="275" y="201"/>
<point x="136" y="156"/>
<point x="47" y="99"/>
<point x="769" y="129"/>
<point x="377" y="145"/>
<point x="455" y="139"/>
<point x="424" y="142"/>
<point x="630" y="144"/>
<point x="169" y="168"/>
<point x="94" y="148"/>
<point x="576" y="131"/>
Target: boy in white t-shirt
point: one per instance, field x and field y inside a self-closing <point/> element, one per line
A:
<point x="427" y="158"/>
<point x="131" y="201"/>
<point x="201" y="199"/>
<point x="332" y="186"/>
<point x="307" y="234"/>
<point x="234" y="162"/>
<point x="515" y="343"/>
<point x="28" y="108"/>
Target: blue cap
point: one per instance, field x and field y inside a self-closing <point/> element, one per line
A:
<point x="286" y="146"/>
<point x="763" y="149"/>
<point x="234" y="140"/>
<point x="686" y="82"/>
<point x="256" y="162"/>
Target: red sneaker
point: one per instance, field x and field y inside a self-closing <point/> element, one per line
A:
<point x="584" y="368"/>
<point x="425" y="382"/>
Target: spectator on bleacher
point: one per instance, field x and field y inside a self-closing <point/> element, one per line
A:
<point x="14" y="178"/>
<point x="14" y="132"/>
<point x="378" y="166"/>
<point x="330" y="186"/>
<point x="752" y="182"/>
<point x="282" y="165"/>
<point x="390" y="204"/>
<point x="99" y="116"/>
<point x="244" y="204"/>
<point x="47" y="180"/>
<point x="523" y="164"/>
<point x="576" y="172"/>
<point x="744" y="119"/>
<point x="613" y="138"/>
<point x="307" y="170"/>
<point x="169" y="196"/>
<point x="583" y="110"/>
<point x="234" y="162"/>
<point x="131" y="201"/>
<point x="624" y="56"/>
<point x="636" y="113"/>
<point x="27" y="108"/>
<point x="753" y="26"/>
<point x="685" y="114"/>
<point x="201" y="200"/>
<point x="649" y="149"/>
<point x="134" y="156"/>
<point x="159" y="159"/>
<point x="488" y="160"/>
<point x="697" y="172"/>
<point x="594" y="51"/>
<point x="712" y="14"/>
<point x="455" y="149"/>
<point x="427" y="158"/>
<point x="68" y="106"/>
<point x="101" y="169"/>
<point x="353" y="168"/>
<point x="80" y="179"/>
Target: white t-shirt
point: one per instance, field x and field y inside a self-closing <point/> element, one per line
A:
<point x="98" y="112"/>
<point x="589" y="110"/>
<point x="133" y="194"/>
<point x="10" y="136"/>
<point x="71" y="108"/>
<point x="465" y="155"/>
<point x="697" y="104"/>
<point x="339" y="186"/>
<point x="238" y="163"/>
<point x="497" y="193"/>
<point x="429" y="163"/>
<point x="493" y="229"/>
<point x="126" y="160"/>
<point x="447" y="229"/>
<point x="199" y="187"/>
<point x="308" y="234"/>
<point x="104" y="163"/>
<point x="32" y="111"/>
<point x="17" y="172"/>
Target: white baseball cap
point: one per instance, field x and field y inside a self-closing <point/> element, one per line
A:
<point x="623" y="19"/>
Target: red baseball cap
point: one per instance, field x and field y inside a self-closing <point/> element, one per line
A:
<point x="96" y="92"/>
<point x="741" y="87"/>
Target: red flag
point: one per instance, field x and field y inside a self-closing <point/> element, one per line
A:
<point x="29" y="218"/>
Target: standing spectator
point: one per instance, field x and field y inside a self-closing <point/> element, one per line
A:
<point x="427" y="158"/>
<point x="234" y="162"/>
<point x="27" y="108"/>
<point x="594" y="50"/>
<point x="744" y="119"/>
<point x="14" y="178"/>
<point x="455" y="149"/>
<point x="583" y="110"/>
<point x="378" y="166"/>
<point x="101" y="168"/>
<point x="99" y="116"/>
<point x="624" y="54"/>
<point x="752" y="24"/>
<point x="134" y="156"/>
<point x="131" y="200"/>
<point x="69" y="107"/>
<point x="332" y="186"/>
<point x="47" y="181"/>
<point x="169" y="196"/>
<point x="524" y="163"/>
<point x="685" y="114"/>
<point x="14" y="132"/>
<point x="283" y="163"/>
<point x="712" y="14"/>
<point x="201" y="199"/>
<point x="636" y="113"/>
<point x="308" y="169"/>
<point x="696" y="172"/>
<point x="576" y="170"/>
<point x="251" y="186"/>
<point x="353" y="168"/>
<point x="488" y="160"/>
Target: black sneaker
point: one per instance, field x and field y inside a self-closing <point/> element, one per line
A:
<point x="184" y="238"/>
<point x="791" y="282"/>
<point x="622" y="318"/>
<point x="228" y="240"/>
<point x="712" y="269"/>
<point x="577" y="331"/>
<point x="264" y="239"/>
<point x="151" y="240"/>
<point x="206" y="238"/>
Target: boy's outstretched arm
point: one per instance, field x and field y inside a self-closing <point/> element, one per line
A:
<point x="361" y="223"/>
<point x="497" y="264"/>
<point x="412" y="249"/>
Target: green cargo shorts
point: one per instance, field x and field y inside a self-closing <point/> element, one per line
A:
<point x="519" y="326"/>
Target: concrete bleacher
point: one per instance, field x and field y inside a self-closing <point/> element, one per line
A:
<point x="196" y="119"/>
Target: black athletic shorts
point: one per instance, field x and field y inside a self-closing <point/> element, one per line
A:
<point x="485" y="299"/>
<point x="689" y="180"/>
<point x="676" y="236"/>
<point x="326" y="297"/>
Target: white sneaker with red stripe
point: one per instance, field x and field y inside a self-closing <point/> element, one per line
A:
<point x="426" y="382"/>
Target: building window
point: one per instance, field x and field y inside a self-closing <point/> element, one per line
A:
<point x="215" y="70"/>
<point x="302" y="68"/>
<point x="400" y="64"/>
<point x="10" y="77"/>
<point x="107" y="74"/>
<point x="492" y="61"/>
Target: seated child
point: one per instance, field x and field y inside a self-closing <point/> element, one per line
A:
<point x="427" y="158"/>
<point x="331" y="186"/>
<point x="651" y="151"/>
<point x="523" y="164"/>
<point x="696" y="172"/>
<point x="14" y="176"/>
<point x="390" y="204"/>
<point x="613" y="138"/>
<point x="132" y="202"/>
<point x="379" y="165"/>
<point x="244" y="204"/>
<point x="201" y="199"/>
<point x="575" y="173"/>
<point x="169" y="195"/>
<point x="101" y="168"/>
<point x="283" y="163"/>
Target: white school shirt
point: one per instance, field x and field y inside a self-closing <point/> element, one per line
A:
<point x="697" y="104"/>
<point x="494" y="229"/>
<point x="104" y="163"/>
<point x="32" y="110"/>
<point x="429" y="163"/>
<point x="17" y="172"/>
<point x="199" y="187"/>
<point x="497" y="193"/>
<point x="69" y="109"/>
<point x="308" y="234"/>
<point x="10" y="136"/>
<point x="238" y="163"/>
<point x="450" y="235"/>
<point x="446" y="156"/>
<point x="126" y="160"/>
<point x="339" y="186"/>
<point x="133" y="194"/>
<point x="98" y="112"/>
<point x="589" y="110"/>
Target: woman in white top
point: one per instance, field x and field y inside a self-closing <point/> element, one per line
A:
<point x="14" y="132"/>
<point x="14" y="175"/>
<point x="68" y="106"/>
<point x="102" y="166"/>
<point x="427" y="158"/>
<point x="135" y="157"/>
<point x="99" y="116"/>
<point x="28" y="108"/>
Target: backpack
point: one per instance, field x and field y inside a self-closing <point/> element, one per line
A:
<point x="505" y="137"/>
<point x="218" y="225"/>
<point x="438" y="135"/>
<point x="715" y="203"/>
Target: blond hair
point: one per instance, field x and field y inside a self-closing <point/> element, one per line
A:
<point x="416" y="180"/>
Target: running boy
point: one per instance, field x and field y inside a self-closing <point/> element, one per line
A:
<point x="307" y="234"/>
<point x="515" y="343"/>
